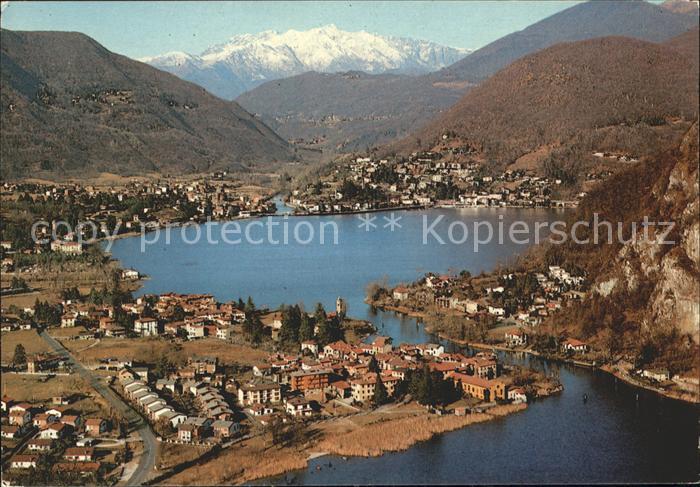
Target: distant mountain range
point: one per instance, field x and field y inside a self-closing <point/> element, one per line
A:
<point x="248" y="60"/>
<point x="71" y="107"/>
<point x="377" y="109"/>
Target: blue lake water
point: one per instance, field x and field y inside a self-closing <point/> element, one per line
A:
<point x="620" y="435"/>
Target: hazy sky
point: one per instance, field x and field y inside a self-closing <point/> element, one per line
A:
<point x="139" y="29"/>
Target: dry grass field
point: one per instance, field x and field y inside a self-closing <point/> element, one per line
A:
<point x="170" y="454"/>
<point x="389" y="434"/>
<point x="251" y="460"/>
<point x="373" y="433"/>
<point x="147" y="349"/>
<point x="35" y="389"/>
<point x="29" y="339"/>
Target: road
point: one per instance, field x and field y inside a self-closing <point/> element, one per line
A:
<point x="150" y="444"/>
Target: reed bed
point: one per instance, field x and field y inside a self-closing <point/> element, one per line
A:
<point x="397" y="435"/>
<point x="240" y="466"/>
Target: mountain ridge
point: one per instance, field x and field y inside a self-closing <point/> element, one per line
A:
<point x="567" y="91"/>
<point x="423" y="97"/>
<point x="248" y="60"/>
<point x="70" y="106"/>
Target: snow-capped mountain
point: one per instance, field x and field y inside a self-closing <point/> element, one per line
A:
<point x="248" y="60"/>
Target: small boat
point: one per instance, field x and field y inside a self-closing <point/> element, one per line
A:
<point x="585" y="398"/>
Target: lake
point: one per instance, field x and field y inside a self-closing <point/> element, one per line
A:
<point x="621" y="434"/>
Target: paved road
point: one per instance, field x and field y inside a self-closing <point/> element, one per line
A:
<point x="150" y="445"/>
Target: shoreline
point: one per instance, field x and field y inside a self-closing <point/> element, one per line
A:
<point x="424" y="207"/>
<point x="412" y="430"/>
<point x="607" y="368"/>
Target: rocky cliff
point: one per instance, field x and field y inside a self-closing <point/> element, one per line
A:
<point x="645" y="291"/>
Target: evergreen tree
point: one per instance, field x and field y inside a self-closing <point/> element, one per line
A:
<point x="373" y="366"/>
<point x="446" y="392"/>
<point x="422" y="387"/>
<point x="256" y="329"/>
<point x="335" y="331"/>
<point x="249" y="306"/>
<point x="163" y="367"/>
<point x="380" y="394"/>
<point x="320" y="313"/>
<point x="321" y="321"/>
<point x="306" y="328"/>
<point x="291" y="322"/>
<point x="20" y="357"/>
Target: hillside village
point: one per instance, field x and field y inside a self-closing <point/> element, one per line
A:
<point x="522" y="311"/>
<point x="451" y="175"/>
<point x="520" y="299"/>
<point x="114" y="209"/>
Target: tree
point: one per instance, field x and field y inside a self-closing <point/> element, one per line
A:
<point x="163" y="367"/>
<point x="70" y="294"/>
<point x="253" y="327"/>
<point x="306" y="328"/>
<point x="320" y="313"/>
<point x="291" y="322"/>
<point x="20" y="357"/>
<point x="421" y="386"/>
<point x="178" y="313"/>
<point x="111" y="224"/>
<point x="249" y="306"/>
<point x="163" y="427"/>
<point x="380" y="394"/>
<point x="324" y="334"/>
<point x="18" y="283"/>
<point x="446" y="392"/>
<point x="373" y="366"/>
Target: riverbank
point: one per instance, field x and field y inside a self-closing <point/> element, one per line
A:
<point x="622" y="375"/>
<point x="383" y="436"/>
<point x="368" y="434"/>
<point x="608" y="368"/>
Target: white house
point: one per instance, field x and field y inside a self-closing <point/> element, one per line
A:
<point x="24" y="461"/>
<point x="146" y="326"/>
<point x="659" y="375"/>
<point x="298" y="406"/>
<point x="310" y="345"/>
<point x="497" y="311"/>
<point x="400" y="293"/>
<point x="574" y="345"/>
<point x="516" y="338"/>
<point x="517" y="395"/>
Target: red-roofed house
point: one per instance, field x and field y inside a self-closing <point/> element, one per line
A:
<point x="95" y="426"/>
<point x="574" y="345"/>
<point x="24" y="461"/>
<point x="79" y="454"/>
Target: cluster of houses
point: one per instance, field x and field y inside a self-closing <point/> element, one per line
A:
<point x="186" y="316"/>
<point x="37" y="429"/>
<point x="297" y="384"/>
<point x="420" y="181"/>
<point x="128" y="207"/>
<point x="554" y="290"/>
<point x="211" y="417"/>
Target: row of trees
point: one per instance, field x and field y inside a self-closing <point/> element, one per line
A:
<point x="430" y="388"/>
<point x="298" y="326"/>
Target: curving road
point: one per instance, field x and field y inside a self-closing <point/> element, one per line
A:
<point x="150" y="445"/>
